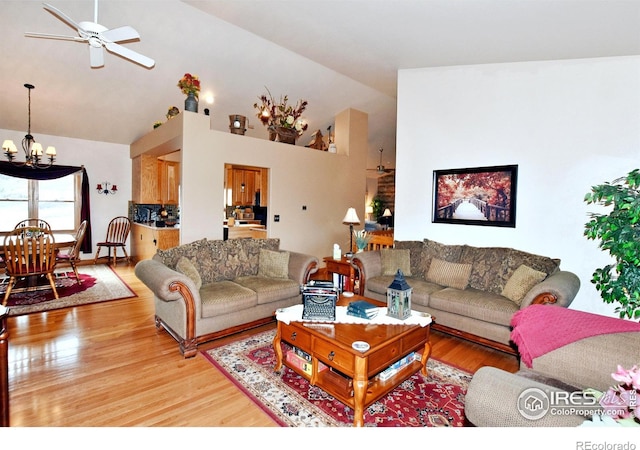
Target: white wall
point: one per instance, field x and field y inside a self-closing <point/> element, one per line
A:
<point x="568" y="125"/>
<point x="326" y="183"/>
<point x="103" y="162"/>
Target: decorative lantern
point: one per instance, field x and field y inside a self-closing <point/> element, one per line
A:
<point x="237" y="124"/>
<point x="399" y="297"/>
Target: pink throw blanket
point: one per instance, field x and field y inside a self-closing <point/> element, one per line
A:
<point x="539" y="329"/>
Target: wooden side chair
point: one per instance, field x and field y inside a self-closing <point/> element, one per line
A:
<point x="380" y="239"/>
<point x="29" y="254"/>
<point x="33" y="223"/>
<point x="70" y="256"/>
<point x="117" y="234"/>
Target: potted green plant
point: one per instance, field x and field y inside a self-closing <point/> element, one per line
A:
<point x="378" y="207"/>
<point x="619" y="234"/>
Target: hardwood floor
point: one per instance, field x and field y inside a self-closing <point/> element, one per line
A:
<point x="106" y="365"/>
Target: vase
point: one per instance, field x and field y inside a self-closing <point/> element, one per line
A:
<point x="191" y="103"/>
<point x="286" y="135"/>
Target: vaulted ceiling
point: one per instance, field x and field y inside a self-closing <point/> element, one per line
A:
<point x="336" y="54"/>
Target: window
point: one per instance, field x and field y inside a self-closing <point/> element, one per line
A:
<point x="56" y="201"/>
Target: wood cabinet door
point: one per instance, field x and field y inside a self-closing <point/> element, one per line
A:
<point x="144" y="179"/>
<point x="168" y="182"/>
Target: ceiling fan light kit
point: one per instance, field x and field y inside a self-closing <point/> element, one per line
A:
<point x="380" y="170"/>
<point x="98" y="37"/>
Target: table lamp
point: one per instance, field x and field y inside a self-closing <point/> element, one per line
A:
<point x="387" y="217"/>
<point x="351" y="219"/>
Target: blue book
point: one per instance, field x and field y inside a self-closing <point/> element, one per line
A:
<point x="362" y="308"/>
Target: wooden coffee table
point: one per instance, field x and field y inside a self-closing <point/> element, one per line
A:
<point x="352" y="376"/>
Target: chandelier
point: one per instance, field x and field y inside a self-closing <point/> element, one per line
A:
<point x="32" y="149"/>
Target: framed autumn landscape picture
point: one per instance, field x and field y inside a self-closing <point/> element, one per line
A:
<point x="476" y="196"/>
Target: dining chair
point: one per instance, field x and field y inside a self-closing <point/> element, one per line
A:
<point x="117" y="234"/>
<point x="31" y="223"/>
<point x="71" y="255"/>
<point x="29" y="254"/>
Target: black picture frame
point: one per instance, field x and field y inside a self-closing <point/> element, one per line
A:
<point x="476" y="196"/>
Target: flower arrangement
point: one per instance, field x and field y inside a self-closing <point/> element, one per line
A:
<point x="189" y="84"/>
<point x="621" y="403"/>
<point x="281" y="114"/>
<point x="362" y="239"/>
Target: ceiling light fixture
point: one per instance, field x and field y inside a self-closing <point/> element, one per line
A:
<point x="32" y="149"/>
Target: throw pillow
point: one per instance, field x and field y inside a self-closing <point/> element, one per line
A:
<point x="273" y="264"/>
<point x="393" y="259"/>
<point x="521" y="282"/>
<point x="444" y="273"/>
<point x="186" y="267"/>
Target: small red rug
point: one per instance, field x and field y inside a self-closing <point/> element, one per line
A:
<point x="66" y="285"/>
<point x="433" y="401"/>
<point x="100" y="284"/>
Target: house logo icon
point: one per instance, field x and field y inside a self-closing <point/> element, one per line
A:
<point x="533" y="403"/>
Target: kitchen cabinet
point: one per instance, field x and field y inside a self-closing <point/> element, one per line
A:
<point x="244" y="186"/>
<point x="168" y="182"/>
<point x="155" y="181"/>
<point x="144" y="181"/>
<point x="146" y="240"/>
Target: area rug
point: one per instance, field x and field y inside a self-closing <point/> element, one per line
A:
<point x="433" y="401"/>
<point x="99" y="284"/>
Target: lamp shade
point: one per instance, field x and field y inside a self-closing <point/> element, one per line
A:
<point x="386" y="213"/>
<point x="351" y="217"/>
<point x="369" y="209"/>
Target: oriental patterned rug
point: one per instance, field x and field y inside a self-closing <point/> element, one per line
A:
<point x="99" y="284"/>
<point x="433" y="401"/>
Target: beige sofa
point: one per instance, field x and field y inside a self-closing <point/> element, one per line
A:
<point x="496" y="398"/>
<point x="210" y="288"/>
<point x="472" y="292"/>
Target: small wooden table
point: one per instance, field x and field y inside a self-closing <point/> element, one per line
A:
<point x="344" y="268"/>
<point x="353" y="375"/>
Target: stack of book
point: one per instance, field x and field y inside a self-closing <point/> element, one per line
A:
<point x="362" y="309"/>
<point x="397" y="366"/>
<point x="302" y="360"/>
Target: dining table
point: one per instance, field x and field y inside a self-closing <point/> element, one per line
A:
<point x="63" y="240"/>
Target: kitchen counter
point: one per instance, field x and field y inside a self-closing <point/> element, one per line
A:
<point x="244" y="222"/>
<point x="247" y="230"/>
<point x="152" y="226"/>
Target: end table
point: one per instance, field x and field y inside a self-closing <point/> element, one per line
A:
<point x="346" y="269"/>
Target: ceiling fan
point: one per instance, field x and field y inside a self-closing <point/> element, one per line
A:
<point x="98" y="37"/>
<point x="380" y="171"/>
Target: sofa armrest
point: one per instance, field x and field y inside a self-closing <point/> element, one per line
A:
<point x="492" y="401"/>
<point x="589" y="362"/>
<point x="301" y="266"/>
<point x="162" y="280"/>
<point x="369" y="265"/>
<point x="559" y="288"/>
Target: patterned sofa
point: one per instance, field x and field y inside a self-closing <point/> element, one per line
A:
<point x="211" y="288"/>
<point x="471" y="292"/>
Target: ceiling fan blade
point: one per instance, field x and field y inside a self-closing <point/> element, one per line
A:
<point x="56" y="12"/>
<point x="96" y="56"/>
<point x="125" y="33"/>
<point x="55" y="36"/>
<point x="129" y="54"/>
